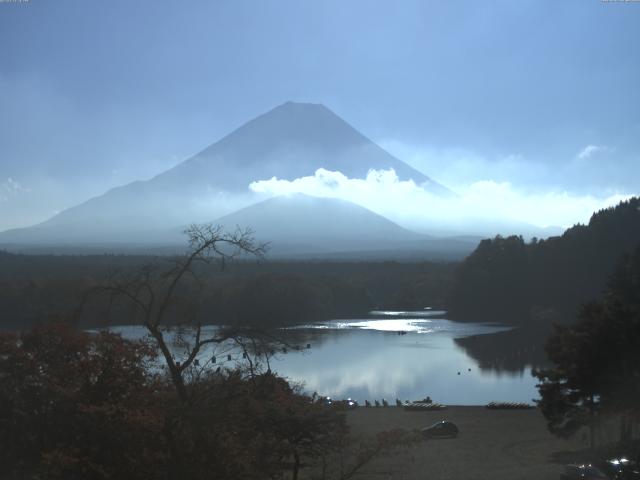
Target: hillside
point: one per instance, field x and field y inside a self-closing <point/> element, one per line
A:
<point x="313" y="224"/>
<point x="300" y="225"/>
<point x="536" y="283"/>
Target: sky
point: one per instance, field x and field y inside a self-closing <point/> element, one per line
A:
<point x="539" y="96"/>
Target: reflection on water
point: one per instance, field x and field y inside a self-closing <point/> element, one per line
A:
<point x="393" y="356"/>
<point x="412" y="314"/>
<point x="406" y="325"/>
<point x="406" y="358"/>
<point x="508" y="351"/>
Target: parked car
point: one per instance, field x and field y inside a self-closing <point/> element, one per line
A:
<point x="442" y="429"/>
<point x="582" y="472"/>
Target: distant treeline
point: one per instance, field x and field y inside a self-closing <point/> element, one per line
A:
<point x="536" y="283"/>
<point x="36" y="288"/>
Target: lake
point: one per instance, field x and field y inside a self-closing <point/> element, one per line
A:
<point x="406" y="355"/>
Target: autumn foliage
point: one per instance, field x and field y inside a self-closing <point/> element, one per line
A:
<point x="75" y="405"/>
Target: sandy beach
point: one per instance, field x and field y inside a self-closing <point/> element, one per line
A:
<point x="492" y="445"/>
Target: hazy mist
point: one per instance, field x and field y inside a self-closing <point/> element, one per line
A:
<point x="528" y="112"/>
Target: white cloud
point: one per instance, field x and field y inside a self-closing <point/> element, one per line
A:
<point x="11" y="188"/>
<point x="591" y="150"/>
<point x="479" y="207"/>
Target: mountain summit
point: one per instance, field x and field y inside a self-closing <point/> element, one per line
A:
<point x="291" y="141"/>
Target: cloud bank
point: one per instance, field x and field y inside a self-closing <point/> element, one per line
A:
<point x="485" y="207"/>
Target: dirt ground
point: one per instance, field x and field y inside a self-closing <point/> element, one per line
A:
<point x="492" y="445"/>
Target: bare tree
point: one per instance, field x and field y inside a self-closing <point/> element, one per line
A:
<point x="152" y="292"/>
<point x="293" y="432"/>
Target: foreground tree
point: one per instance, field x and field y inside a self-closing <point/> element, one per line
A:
<point x="597" y="361"/>
<point x="78" y="406"/>
<point x="75" y="405"/>
<point x="226" y="423"/>
<point x="254" y="427"/>
<point x="155" y="295"/>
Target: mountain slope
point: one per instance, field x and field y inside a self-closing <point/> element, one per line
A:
<point x="290" y="141"/>
<point x="301" y="225"/>
<point x="322" y="224"/>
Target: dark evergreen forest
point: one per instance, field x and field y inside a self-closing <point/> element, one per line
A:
<point x="38" y="288"/>
<point x="536" y="283"/>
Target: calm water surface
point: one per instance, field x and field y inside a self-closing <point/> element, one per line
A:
<point x="406" y="355"/>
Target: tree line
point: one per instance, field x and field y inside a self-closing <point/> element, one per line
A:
<point x="34" y="288"/>
<point x="510" y="280"/>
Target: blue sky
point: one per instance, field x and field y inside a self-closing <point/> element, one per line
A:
<point x="542" y="94"/>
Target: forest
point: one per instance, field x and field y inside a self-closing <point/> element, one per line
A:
<point x="536" y="283"/>
<point x="34" y="288"/>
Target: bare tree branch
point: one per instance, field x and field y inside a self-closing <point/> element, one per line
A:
<point x="152" y="291"/>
